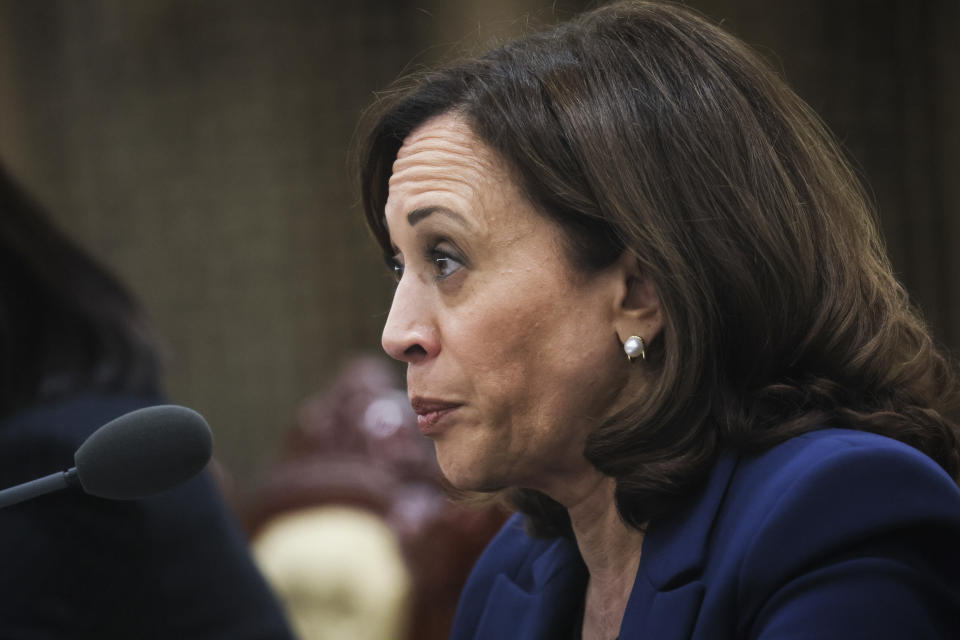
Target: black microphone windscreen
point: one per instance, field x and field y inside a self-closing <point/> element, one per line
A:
<point x="144" y="452"/>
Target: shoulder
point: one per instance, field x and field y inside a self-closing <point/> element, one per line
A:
<point x="852" y="473"/>
<point x="42" y="439"/>
<point x="823" y="487"/>
<point x="875" y="517"/>
<point x="826" y="444"/>
<point x="71" y="419"/>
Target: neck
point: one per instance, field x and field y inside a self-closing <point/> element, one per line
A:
<point x="611" y="551"/>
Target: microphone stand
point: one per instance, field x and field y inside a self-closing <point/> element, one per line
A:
<point x="38" y="487"/>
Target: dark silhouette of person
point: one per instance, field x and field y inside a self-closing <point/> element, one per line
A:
<point x="75" y="352"/>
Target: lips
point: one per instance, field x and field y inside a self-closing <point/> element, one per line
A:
<point x="431" y="413"/>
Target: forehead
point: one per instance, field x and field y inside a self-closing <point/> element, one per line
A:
<point x="444" y="140"/>
<point x="443" y="164"/>
<point x="443" y="158"/>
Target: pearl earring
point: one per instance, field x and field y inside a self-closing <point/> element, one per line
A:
<point x="634" y="348"/>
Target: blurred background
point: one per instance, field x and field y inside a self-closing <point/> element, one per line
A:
<point x="200" y="150"/>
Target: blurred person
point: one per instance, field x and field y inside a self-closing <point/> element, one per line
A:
<point x="74" y="354"/>
<point x="641" y="292"/>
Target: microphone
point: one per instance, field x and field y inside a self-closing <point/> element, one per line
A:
<point x="134" y="456"/>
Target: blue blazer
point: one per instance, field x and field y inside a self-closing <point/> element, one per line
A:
<point x="836" y="534"/>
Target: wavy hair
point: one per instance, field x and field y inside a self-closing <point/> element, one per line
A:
<point x="644" y="128"/>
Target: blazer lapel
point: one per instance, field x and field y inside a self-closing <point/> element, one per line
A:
<point x="546" y="609"/>
<point x="666" y="595"/>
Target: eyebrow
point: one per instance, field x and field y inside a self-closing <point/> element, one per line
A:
<point x="417" y="215"/>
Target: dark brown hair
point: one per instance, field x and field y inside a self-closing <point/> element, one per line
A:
<point x="66" y="324"/>
<point x="644" y="128"/>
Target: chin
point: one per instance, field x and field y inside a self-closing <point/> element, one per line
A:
<point x="469" y="475"/>
<point x="472" y="482"/>
<point x="477" y="487"/>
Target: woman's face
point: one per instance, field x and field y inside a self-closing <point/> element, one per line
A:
<point x="513" y="356"/>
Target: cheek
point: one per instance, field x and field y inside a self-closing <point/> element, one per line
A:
<point x="498" y="349"/>
<point x="533" y="353"/>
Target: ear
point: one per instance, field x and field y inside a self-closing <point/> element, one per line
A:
<point x="638" y="304"/>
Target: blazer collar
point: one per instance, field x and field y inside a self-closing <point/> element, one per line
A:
<point x="674" y="549"/>
<point x="667" y="594"/>
<point x="544" y="608"/>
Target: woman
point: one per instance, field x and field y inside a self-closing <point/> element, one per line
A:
<point x="74" y="354"/>
<point x="640" y="290"/>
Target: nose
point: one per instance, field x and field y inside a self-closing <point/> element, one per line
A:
<point x="410" y="335"/>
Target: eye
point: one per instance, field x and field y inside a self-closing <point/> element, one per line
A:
<point x="445" y="263"/>
<point x="395" y="264"/>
